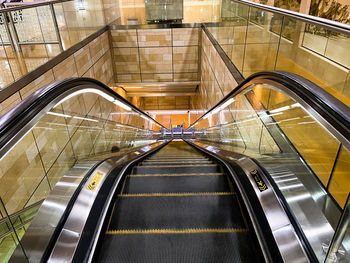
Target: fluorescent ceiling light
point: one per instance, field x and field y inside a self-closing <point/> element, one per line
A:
<point x="146" y="118"/>
<point x="285" y="108"/>
<point x="228" y="102"/>
<point x="59" y="114"/>
<point x="86" y="119"/>
<point x="121" y="104"/>
<point x="307" y="122"/>
<point x="98" y="92"/>
<point x="89" y="90"/>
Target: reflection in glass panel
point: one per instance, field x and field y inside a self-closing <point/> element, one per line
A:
<point x="164" y="10"/>
<point x="51" y="135"/>
<point x="305" y="60"/>
<point x="340" y="247"/>
<point x="6" y="75"/>
<point x="8" y="244"/>
<point x="270" y="126"/>
<point x="21" y="172"/>
<point x="82" y="126"/>
<point x="62" y="26"/>
<point x="46" y="23"/>
<point x="338" y="49"/>
<point x="261" y="43"/>
<point x="315" y="38"/>
<point x="8" y="239"/>
<point x="317" y="146"/>
<point x="339" y="185"/>
<point x="27" y="25"/>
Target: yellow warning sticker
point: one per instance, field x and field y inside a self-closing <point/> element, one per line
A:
<point x="258" y="180"/>
<point x="95" y="181"/>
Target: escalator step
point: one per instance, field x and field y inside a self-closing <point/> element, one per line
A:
<point x="176" y="162"/>
<point x="164" y="156"/>
<point x="158" y="169"/>
<point x="177" y="211"/>
<point x="189" y="248"/>
<point x="180" y="183"/>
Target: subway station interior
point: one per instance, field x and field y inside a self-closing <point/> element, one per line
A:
<point x="175" y="131"/>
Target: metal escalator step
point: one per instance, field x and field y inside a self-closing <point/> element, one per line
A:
<point x="179" y="248"/>
<point x="177" y="211"/>
<point x="175" y="163"/>
<point x="182" y="174"/>
<point x="169" y="169"/>
<point x="177" y="231"/>
<point x="177" y="158"/>
<point x="173" y="156"/>
<point x="166" y="184"/>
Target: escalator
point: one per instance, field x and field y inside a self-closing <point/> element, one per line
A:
<point x="246" y="187"/>
<point x="178" y="205"/>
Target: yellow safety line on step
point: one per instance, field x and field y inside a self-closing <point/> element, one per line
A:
<point x="175" y="231"/>
<point x="195" y="165"/>
<point x="177" y="194"/>
<point x="176" y="158"/>
<point x="160" y="175"/>
<point x="176" y="161"/>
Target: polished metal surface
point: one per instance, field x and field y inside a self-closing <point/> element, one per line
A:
<point x="300" y="199"/>
<point x="283" y="231"/>
<point x="69" y="237"/>
<point x="39" y="233"/>
<point x="329" y="24"/>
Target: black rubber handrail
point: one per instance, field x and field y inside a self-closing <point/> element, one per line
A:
<point x="14" y="120"/>
<point x="332" y="110"/>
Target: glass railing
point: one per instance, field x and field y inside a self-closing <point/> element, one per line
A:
<point x="78" y="126"/>
<point x="12" y="228"/>
<point x="31" y="35"/>
<point x="339" y="250"/>
<point x="308" y="162"/>
<point x="257" y="38"/>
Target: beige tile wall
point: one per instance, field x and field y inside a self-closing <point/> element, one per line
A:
<point x="94" y="60"/>
<point x="216" y="80"/>
<point x="156" y="55"/>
